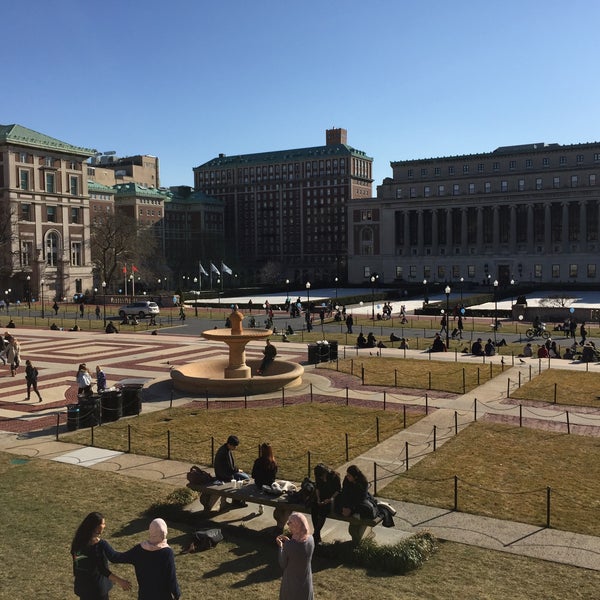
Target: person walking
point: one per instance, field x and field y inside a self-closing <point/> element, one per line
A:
<point x="100" y="379"/>
<point x="31" y="377"/>
<point x="93" y="579"/>
<point x="349" y="323"/>
<point x="13" y="353"/>
<point x="55" y="308"/>
<point x="181" y="313"/>
<point x="97" y="312"/>
<point x="295" y="556"/>
<point x="81" y="309"/>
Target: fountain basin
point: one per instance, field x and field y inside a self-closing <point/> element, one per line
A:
<point x="206" y="377"/>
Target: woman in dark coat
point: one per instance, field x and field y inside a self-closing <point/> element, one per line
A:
<point x="264" y="469"/>
<point x="355" y="497"/>
<point x="327" y="487"/>
<point x="90" y="554"/>
<point x="154" y="564"/>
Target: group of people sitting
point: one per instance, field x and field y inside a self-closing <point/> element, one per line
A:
<point x="369" y="342"/>
<point x="488" y="349"/>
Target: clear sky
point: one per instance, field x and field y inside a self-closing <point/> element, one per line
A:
<point x="187" y="79"/>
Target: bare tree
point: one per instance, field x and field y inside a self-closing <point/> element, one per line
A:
<point x="557" y="301"/>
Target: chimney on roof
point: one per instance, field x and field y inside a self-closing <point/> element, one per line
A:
<point x="221" y="155"/>
<point x="336" y="136"/>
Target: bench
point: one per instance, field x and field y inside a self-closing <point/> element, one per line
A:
<point x="209" y="495"/>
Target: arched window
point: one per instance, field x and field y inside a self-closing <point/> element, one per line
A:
<point x="366" y="241"/>
<point x="52" y="248"/>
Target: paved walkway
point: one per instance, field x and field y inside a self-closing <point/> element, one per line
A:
<point x="28" y="429"/>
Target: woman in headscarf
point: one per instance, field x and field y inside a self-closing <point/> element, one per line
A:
<point x="93" y="578"/>
<point x="154" y="565"/>
<point x="295" y="555"/>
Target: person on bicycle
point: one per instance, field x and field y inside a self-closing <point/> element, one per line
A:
<point x="537" y="323"/>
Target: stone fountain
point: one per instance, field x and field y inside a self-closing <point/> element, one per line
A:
<point x="234" y="376"/>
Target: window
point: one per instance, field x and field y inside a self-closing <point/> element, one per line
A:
<point x="48" y="161"/>
<point x="563" y="160"/>
<point x="26" y="212"/>
<point x="441" y="272"/>
<point x="596" y="157"/>
<point x="450" y="170"/>
<point x="426" y="191"/>
<point x="545" y="162"/>
<point x="471" y="271"/>
<point x="412" y="271"/>
<point x="366" y="241"/>
<point x="76" y="254"/>
<point x="512" y="165"/>
<point x="480" y="168"/>
<point x="574" y="180"/>
<point x="74" y="215"/>
<point x="471" y="188"/>
<point x="413" y="192"/>
<point x="579" y="158"/>
<point x="528" y="163"/>
<point x="441" y="190"/>
<point x="504" y="186"/>
<point x="398" y="272"/>
<point x="592" y="180"/>
<point x="555" y="271"/>
<point x="488" y="187"/>
<point x="556" y="182"/>
<point x="573" y="271"/>
<point x="26" y="254"/>
<point x="436" y="171"/>
<point x="591" y="270"/>
<point x="366" y="215"/>
<point x="427" y="273"/>
<point x="496" y="166"/>
<point x="398" y="193"/>
<point x="50" y="183"/>
<point x="52" y="249"/>
<point x="73" y="185"/>
<point x="367" y="272"/>
<point x="23" y="157"/>
<point x="24" y="179"/>
<point x="537" y="271"/>
<point x="538" y="183"/>
<point x="456" y="189"/>
<point x="410" y="173"/>
<point x="521" y="185"/>
<point x="51" y="214"/>
<point x="465" y="169"/>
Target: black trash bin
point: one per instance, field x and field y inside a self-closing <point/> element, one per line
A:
<point x="89" y="411"/>
<point x="112" y="405"/>
<point x="314" y="355"/>
<point x="333" y="349"/>
<point x="72" y="417"/>
<point x="132" y="400"/>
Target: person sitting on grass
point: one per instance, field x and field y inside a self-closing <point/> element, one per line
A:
<point x="477" y="348"/>
<point x="438" y="344"/>
<point x="361" y="341"/>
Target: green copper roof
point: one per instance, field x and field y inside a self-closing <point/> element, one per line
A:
<point x="194" y="197"/>
<point x="21" y="135"/>
<point x="317" y="152"/>
<point x="94" y="186"/>
<point x="136" y="189"/>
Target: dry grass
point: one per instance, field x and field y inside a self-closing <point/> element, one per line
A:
<point x="562" y="387"/>
<point x="457" y="378"/>
<point x="293" y="431"/>
<point x="504" y="473"/>
<point x="41" y="510"/>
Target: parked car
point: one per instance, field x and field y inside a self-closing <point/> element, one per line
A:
<point x="140" y="309"/>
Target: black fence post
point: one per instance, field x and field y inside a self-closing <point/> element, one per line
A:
<point x="347" y="448"/>
<point x="434" y="438"/>
<point x="548" y="491"/>
<point x="129" y="439"/>
<point x="456" y="492"/>
<point x="168" y="444"/>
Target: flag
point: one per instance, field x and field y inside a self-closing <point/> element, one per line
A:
<point x="202" y="271"/>
<point x="214" y="269"/>
<point x="125" y="270"/>
<point x="226" y="269"/>
<point x="134" y="269"/>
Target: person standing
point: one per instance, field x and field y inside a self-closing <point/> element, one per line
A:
<point x="154" y="564"/>
<point x="81" y="309"/>
<point x="224" y="463"/>
<point x="84" y="380"/>
<point x="13" y="353"/>
<point x="327" y="486"/>
<point x="31" y="377"/>
<point x="295" y="556"/>
<point x="93" y="579"/>
<point x="97" y="311"/>
<point x="55" y="308"/>
<point x="181" y="313"/>
<point x="460" y="326"/>
<point x="349" y="323"/>
<point x="100" y="379"/>
<point x="583" y="332"/>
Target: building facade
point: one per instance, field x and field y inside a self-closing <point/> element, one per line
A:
<point x="44" y="216"/>
<point x="108" y="169"/>
<point x="289" y="207"/>
<point x="520" y="213"/>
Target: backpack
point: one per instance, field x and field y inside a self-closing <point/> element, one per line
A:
<point x="197" y="476"/>
<point x="205" y="539"/>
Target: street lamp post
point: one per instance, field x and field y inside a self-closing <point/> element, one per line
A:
<point x="196" y="302"/>
<point x="462" y="280"/>
<point x="287" y="290"/>
<point x="447" y="291"/>
<point x="512" y="297"/>
<point x="425" y="298"/>
<point x="29" y="294"/>
<point x="495" y="309"/>
<point x="373" y="278"/>
<point x="308" y="294"/>
<point x="42" y="294"/>
<point x="104" y="300"/>
<point x="336" y="280"/>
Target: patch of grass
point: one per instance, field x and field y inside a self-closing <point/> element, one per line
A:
<point x="298" y="433"/>
<point x="562" y="387"/>
<point x="504" y="472"/>
<point x="43" y="503"/>
<point x="457" y="378"/>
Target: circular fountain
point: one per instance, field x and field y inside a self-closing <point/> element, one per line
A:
<point x="233" y="376"/>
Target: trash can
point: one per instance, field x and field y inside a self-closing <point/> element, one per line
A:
<point x="333" y="349"/>
<point x="314" y="354"/>
<point x="111" y="402"/>
<point x="89" y="411"/>
<point x="132" y="400"/>
<point x="72" y="417"/>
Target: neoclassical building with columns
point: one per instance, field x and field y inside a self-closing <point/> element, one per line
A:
<point x="519" y="213"/>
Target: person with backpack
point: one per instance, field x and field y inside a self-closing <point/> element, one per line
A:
<point x="31" y="377"/>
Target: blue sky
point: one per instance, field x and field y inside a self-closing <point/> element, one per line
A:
<point x="187" y="79"/>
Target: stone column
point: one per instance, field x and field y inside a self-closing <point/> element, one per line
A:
<point x="434" y="233"/>
<point x="547" y="229"/>
<point x="420" y="231"/>
<point x="565" y="227"/>
<point x="512" y="237"/>
<point x="530" y="240"/>
<point x="495" y="227"/>
<point x="449" y="240"/>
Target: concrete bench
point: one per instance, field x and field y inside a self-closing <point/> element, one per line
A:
<point x="209" y="495"/>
